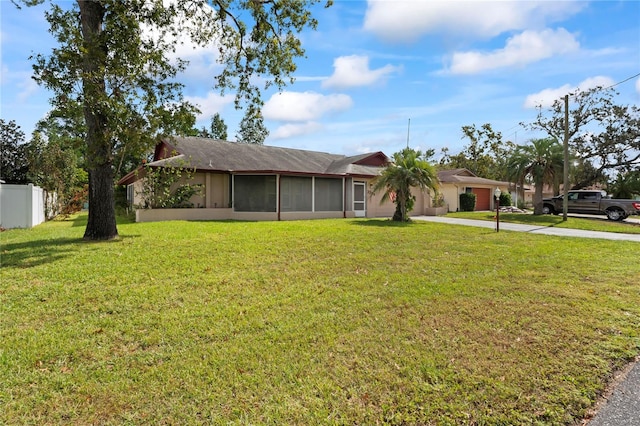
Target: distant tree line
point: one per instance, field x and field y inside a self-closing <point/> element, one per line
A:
<point x="604" y="146"/>
<point x="604" y="142"/>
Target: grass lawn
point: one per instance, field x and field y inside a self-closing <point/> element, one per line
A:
<point x="310" y="322"/>
<point x="587" y="223"/>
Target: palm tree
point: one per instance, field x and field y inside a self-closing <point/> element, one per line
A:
<point x="542" y="161"/>
<point x="626" y="185"/>
<point x="408" y="169"/>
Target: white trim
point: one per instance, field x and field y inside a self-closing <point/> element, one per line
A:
<point x="363" y="212"/>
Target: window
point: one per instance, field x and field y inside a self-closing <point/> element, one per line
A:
<point x="130" y="194"/>
<point x="254" y="193"/>
<point x="295" y="194"/>
<point x="328" y="193"/>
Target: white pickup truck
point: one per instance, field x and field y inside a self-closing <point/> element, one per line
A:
<point x="592" y="202"/>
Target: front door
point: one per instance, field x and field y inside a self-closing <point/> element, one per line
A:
<point x="359" y="199"/>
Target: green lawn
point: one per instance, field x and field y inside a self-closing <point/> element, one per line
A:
<point x="630" y="226"/>
<point x="310" y="322"/>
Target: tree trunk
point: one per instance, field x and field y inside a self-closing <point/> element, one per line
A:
<point x="397" y="214"/>
<point x="537" y="198"/>
<point x="102" y="217"/>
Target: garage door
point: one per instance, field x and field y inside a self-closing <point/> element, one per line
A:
<point x="483" y="198"/>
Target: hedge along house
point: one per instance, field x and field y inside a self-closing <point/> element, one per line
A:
<point x="256" y="182"/>
<point x="454" y="182"/>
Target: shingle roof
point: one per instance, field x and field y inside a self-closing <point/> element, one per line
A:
<point x="465" y="176"/>
<point x="216" y="155"/>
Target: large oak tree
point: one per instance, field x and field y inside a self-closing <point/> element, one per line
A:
<point x="485" y="155"/>
<point x="115" y="58"/>
<point x="602" y="134"/>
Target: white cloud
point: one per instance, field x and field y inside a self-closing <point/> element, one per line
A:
<point x="4" y="75"/>
<point x="521" y="49"/>
<point x="28" y="88"/>
<point x="638" y="86"/>
<point x="202" y="57"/>
<point x="304" y="106"/>
<point x="291" y="130"/>
<point x="17" y="85"/>
<point x="547" y="97"/>
<point x="353" y="71"/>
<point x="407" y="21"/>
<point x="210" y="104"/>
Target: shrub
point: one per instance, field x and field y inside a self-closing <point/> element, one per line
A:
<point x="161" y="187"/>
<point x="505" y="199"/>
<point x="467" y="202"/>
<point x="437" y="200"/>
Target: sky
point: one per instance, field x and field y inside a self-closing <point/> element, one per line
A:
<point x="381" y="75"/>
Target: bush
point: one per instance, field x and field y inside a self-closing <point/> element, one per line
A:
<point x="437" y="200"/>
<point x="467" y="202"/>
<point x="161" y="188"/>
<point x="505" y="199"/>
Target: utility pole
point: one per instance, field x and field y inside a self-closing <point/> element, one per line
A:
<point x="565" y="201"/>
<point x="408" y="129"/>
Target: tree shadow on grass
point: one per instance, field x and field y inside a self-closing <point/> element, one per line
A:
<point x="29" y="254"/>
<point x="384" y="223"/>
<point x="37" y="252"/>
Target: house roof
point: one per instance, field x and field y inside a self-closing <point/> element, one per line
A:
<point x="206" y="154"/>
<point x="466" y="177"/>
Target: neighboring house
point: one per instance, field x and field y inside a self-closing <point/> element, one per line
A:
<point x="454" y="182"/>
<point x="529" y="193"/>
<point x="258" y="182"/>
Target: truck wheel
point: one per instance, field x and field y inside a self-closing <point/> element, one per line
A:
<point x="547" y="209"/>
<point x="615" y="214"/>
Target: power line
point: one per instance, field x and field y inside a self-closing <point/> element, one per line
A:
<point x="605" y="88"/>
<point x="623" y="81"/>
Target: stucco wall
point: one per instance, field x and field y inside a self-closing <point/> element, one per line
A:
<point x="422" y="203"/>
<point x="375" y="209"/>
<point x="217" y="190"/>
<point x="155" y="215"/>
<point x="310" y="215"/>
<point x="388" y="208"/>
<point x="451" y="196"/>
<point x="197" y="179"/>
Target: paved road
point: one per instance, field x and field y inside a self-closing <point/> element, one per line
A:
<point x="533" y="229"/>
<point x="622" y="408"/>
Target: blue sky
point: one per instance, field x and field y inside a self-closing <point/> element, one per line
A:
<point x="373" y="66"/>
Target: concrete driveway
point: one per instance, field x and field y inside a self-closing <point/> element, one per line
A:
<point x="533" y="229"/>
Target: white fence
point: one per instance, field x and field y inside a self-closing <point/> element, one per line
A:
<point x="21" y="206"/>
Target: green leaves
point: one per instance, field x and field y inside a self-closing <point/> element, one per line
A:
<point x="168" y="187"/>
<point x="600" y="131"/>
<point x="408" y="169"/>
<point x="118" y="60"/>
<point x="13" y="156"/>
<point x="542" y="161"/>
